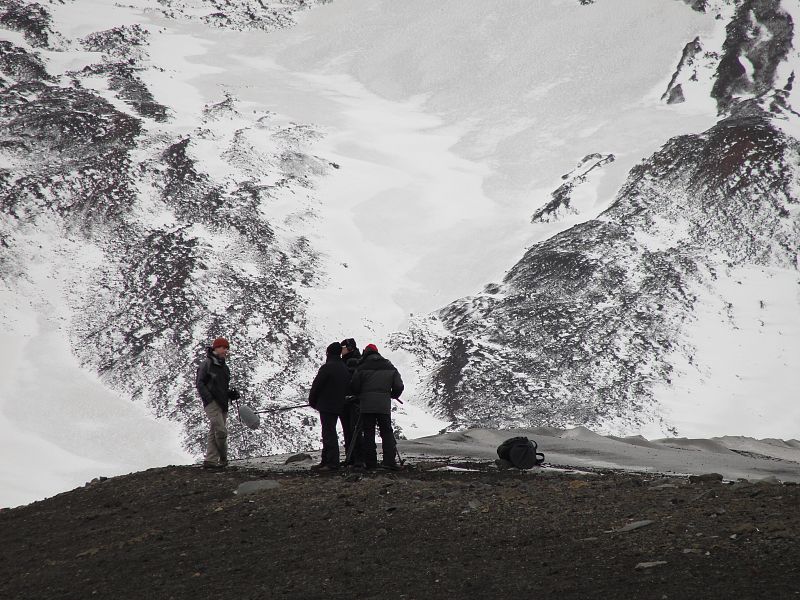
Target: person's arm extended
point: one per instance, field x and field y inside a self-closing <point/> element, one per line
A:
<point x="397" y="385"/>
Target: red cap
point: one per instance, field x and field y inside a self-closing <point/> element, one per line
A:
<point x="220" y="342"/>
<point x="372" y="347"/>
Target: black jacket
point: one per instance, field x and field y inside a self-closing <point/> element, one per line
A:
<point x="351" y="360"/>
<point x="330" y="386"/>
<point x="213" y="381"/>
<point x="375" y="382"/>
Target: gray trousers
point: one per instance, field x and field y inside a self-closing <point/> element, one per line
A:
<point x="217" y="448"/>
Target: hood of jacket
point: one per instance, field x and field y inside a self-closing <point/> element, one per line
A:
<point x="373" y="361"/>
<point x="216" y="359"/>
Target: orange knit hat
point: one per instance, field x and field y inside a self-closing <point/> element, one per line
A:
<point x="220" y="342"/>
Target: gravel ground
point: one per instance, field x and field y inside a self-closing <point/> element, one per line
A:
<point x="182" y="532"/>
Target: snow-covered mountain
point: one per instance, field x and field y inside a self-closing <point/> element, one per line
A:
<point x="619" y="319"/>
<point x="291" y="173"/>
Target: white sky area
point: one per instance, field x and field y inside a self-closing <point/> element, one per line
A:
<point x="452" y="122"/>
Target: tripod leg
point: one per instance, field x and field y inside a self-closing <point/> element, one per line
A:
<point x="356" y="432"/>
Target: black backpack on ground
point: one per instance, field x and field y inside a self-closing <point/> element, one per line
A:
<point x="519" y="452"/>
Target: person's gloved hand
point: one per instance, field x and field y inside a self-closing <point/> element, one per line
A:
<point x="234" y="394"/>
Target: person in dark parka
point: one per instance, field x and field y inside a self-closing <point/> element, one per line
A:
<point x="327" y="394"/>
<point x="350" y="424"/>
<point x="350" y="354"/>
<point x="213" y="384"/>
<point x="375" y="382"/>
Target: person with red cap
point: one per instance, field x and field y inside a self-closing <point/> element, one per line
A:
<point x="376" y="382"/>
<point x="213" y="384"/>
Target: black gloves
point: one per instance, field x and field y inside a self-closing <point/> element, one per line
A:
<point x="234" y="394"/>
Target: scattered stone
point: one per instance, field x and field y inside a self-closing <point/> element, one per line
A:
<point x="664" y="486"/>
<point x="649" y="565"/>
<point x="701" y="495"/>
<point x="743" y="528"/>
<point x="774" y="525"/>
<point x="692" y="551"/>
<point x="89" y="552"/>
<point x="769" y="480"/>
<point x="251" y="487"/>
<point x="631" y="526"/>
<point x="706" y="478"/>
<point x="783" y="534"/>
<point x="96" y="480"/>
<point x="297" y="458"/>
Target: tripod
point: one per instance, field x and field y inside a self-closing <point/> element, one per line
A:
<point x="357" y="430"/>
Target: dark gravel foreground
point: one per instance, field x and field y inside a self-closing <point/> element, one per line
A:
<point x="181" y="532"/>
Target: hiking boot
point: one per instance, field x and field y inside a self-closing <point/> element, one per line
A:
<point x="213" y="466"/>
<point x="370" y="466"/>
<point x="324" y="468"/>
<point x="390" y="466"/>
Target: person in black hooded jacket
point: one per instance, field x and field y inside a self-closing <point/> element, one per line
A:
<point x="376" y="381"/>
<point x="213" y="384"/>
<point x="327" y="394"/>
<point x="351" y="427"/>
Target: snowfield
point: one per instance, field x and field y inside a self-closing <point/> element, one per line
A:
<point x="390" y="157"/>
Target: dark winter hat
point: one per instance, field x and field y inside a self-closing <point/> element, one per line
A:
<point x="334" y="349"/>
<point x="371" y="348"/>
<point x="220" y="342"/>
<point x="350" y="344"/>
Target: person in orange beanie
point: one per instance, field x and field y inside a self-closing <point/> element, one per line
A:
<point x="213" y="384"/>
<point x="376" y="381"/>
